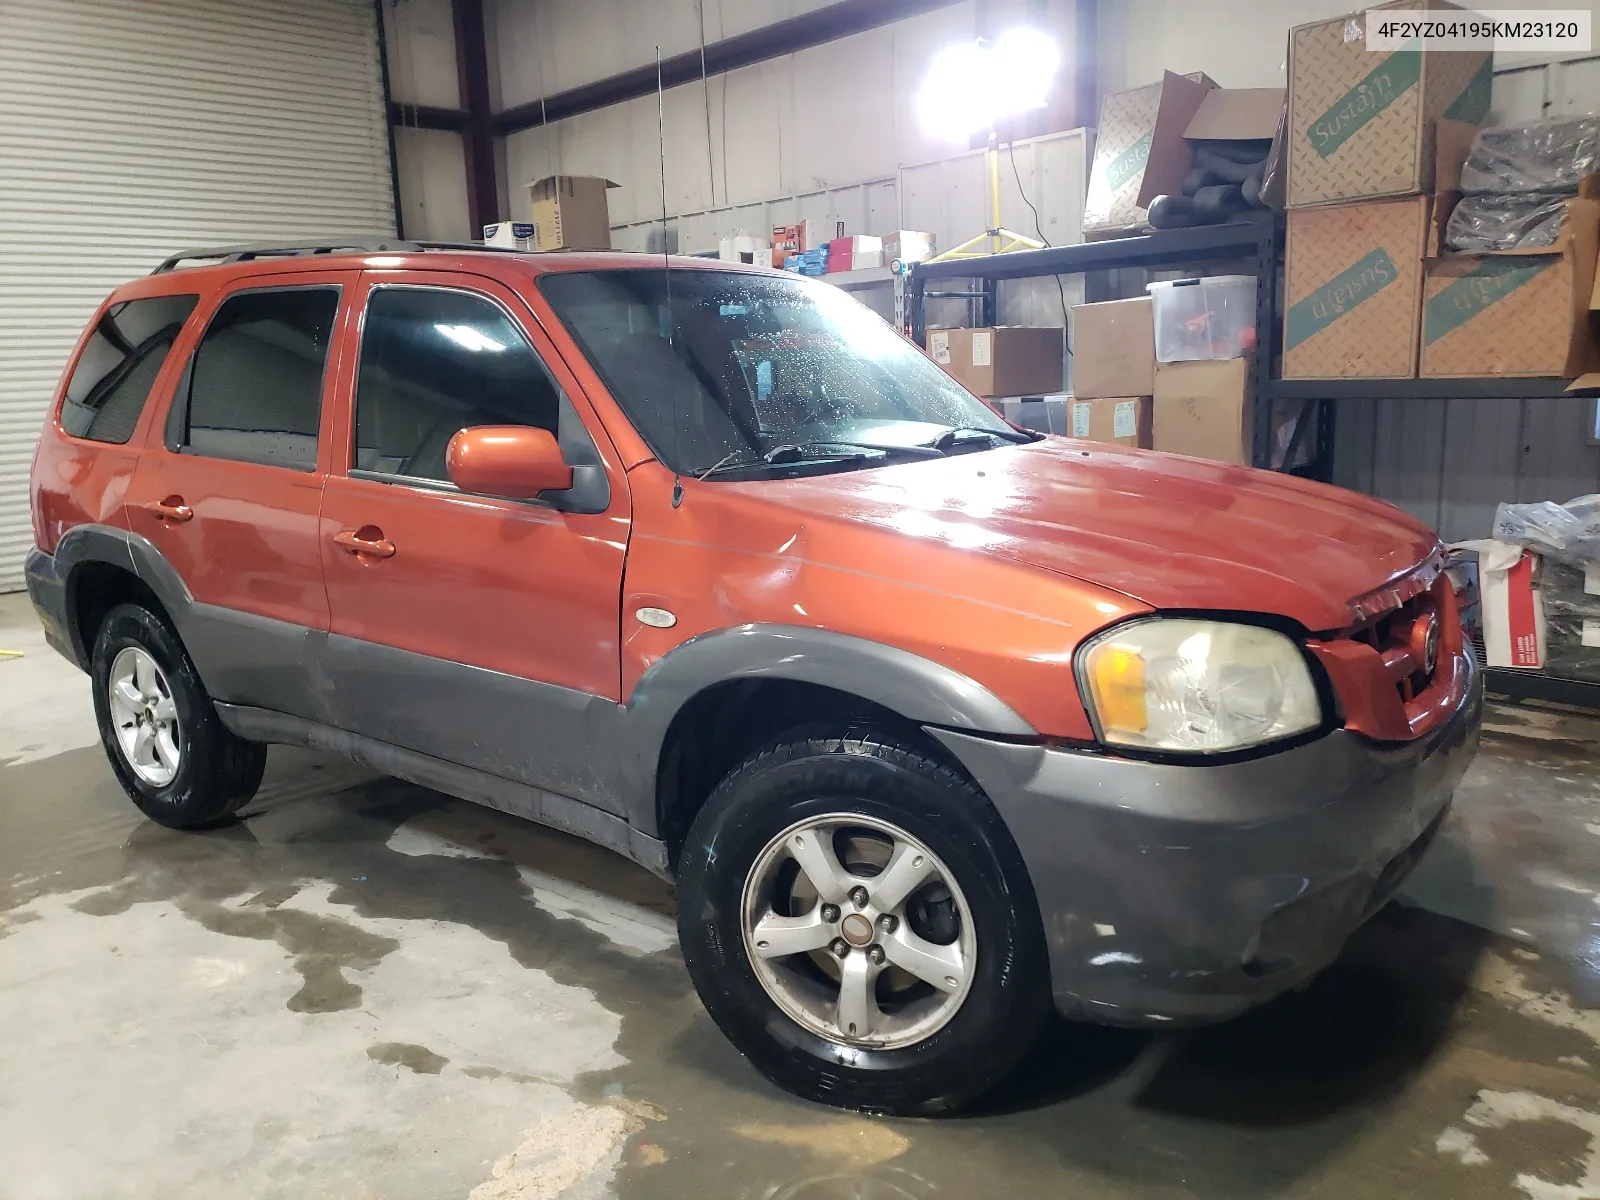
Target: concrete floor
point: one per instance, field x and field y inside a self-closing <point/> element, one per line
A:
<point x="368" y="990"/>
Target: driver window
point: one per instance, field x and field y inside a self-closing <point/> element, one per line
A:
<point x="435" y="361"/>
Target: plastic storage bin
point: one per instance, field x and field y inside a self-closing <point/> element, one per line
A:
<point x="1204" y="318"/>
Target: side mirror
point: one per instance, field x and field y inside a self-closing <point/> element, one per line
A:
<point x="516" y="462"/>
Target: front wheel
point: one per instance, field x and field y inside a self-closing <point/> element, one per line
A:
<point x="859" y="924"/>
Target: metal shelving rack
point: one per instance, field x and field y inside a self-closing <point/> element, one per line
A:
<point x="1255" y="245"/>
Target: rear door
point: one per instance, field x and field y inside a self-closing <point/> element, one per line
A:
<point x="231" y="494"/>
<point x="478" y="630"/>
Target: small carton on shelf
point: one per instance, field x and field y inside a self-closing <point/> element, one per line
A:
<point x="854" y="253"/>
<point x="1113" y="348"/>
<point x="1118" y="420"/>
<point x="1519" y="313"/>
<point x="1363" y="123"/>
<point x="509" y="235"/>
<point x="908" y="246"/>
<point x="810" y="234"/>
<point x="1004" y="360"/>
<point x="1202" y="409"/>
<point x="569" y="212"/>
<point x="1139" y="151"/>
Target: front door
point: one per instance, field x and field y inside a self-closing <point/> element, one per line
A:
<point x="477" y="630"/>
<point x="231" y="497"/>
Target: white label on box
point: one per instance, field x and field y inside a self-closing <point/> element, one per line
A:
<point x="1591" y="634"/>
<point x="982" y="348"/>
<point x="1591" y="573"/>
<point x="1125" y="419"/>
<point x="939" y="346"/>
<point x="1080" y="420"/>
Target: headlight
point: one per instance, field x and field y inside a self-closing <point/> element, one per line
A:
<point x="1202" y="687"/>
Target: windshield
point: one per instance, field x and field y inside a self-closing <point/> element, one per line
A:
<point x="739" y="364"/>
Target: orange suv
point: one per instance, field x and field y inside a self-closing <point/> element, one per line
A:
<point x="932" y="720"/>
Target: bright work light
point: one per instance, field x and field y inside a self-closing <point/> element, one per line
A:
<point x="970" y="87"/>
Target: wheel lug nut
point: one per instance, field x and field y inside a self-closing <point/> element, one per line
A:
<point x="840" y="947"/>
<point x="875" y="953"/>
<point x="858" y="897"/>
<point x="830" y="913"/>
<point x="887" y="923"/>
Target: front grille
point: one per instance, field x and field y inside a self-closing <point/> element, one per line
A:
<point x="1400" y="668"/>
<point x="1400" y="637"/>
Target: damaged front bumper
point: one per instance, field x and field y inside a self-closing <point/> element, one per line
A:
<point x="1191" y="893"/>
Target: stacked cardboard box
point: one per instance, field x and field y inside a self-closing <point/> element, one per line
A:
<point x="1372" y="139"/>
<point x="1006" y="360"/>
<point x="1113" y="371"/>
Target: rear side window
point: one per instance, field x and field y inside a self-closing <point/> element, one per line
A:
<point x="433" y="362"/>
<point x="112" y="380"/>
<point x="255" y="387"/>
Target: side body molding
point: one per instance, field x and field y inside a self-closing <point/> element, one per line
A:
<point x="918" y="689"/>
<point x="241" y="657"/>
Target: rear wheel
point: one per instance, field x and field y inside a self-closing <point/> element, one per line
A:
<point x="858" y="922"/>
<point x="167" y="746"/>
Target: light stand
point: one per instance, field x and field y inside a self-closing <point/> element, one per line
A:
<point x="996" y="239"/>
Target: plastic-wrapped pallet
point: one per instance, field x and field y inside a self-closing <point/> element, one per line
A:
<point x="1572" y="646"/>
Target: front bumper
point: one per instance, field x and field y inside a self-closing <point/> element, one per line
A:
<point x="48" y="591"/>
<point x="1191" y="893"/>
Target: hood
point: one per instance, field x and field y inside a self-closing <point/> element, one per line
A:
<point x="1172" y="532"/>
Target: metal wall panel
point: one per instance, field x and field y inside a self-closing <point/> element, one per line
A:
<point x="1449" y="462"/>
<point x="132" y="128"/>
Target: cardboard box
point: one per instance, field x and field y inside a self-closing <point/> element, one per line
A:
<point x="509" y="235"/>
<point x="1353" y="289"/>
<point x="569" y="212"/>
<point x="1237" y="114"/>
<point x="1139" y="151"/>
<point x="1114" y="349"/>
<point x="1007" y="360"/>
<point x="1120" y="420"/>
<point x="1513" y="619"/>
<point x="1202" y="409"/>
<point x="855" y="253"/>
<point x="810" y="234"/>
<point x="1362" y="124"/>
<point x="1516" y="313"/>
<point x="908" y="246"/>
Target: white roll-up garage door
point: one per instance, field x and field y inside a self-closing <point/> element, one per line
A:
<point x="133" y="128"/>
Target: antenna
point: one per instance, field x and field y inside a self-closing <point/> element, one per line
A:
<point x="666" y="263"/>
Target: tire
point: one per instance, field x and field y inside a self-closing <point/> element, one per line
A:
<point x="203" y="774"/>
<point x="817" y="775"/>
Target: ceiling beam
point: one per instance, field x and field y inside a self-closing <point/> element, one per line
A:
<point x="746" y="49"/>
<point x="426" y="116"/>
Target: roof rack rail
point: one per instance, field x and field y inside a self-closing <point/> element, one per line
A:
<point x="235" y="254"/>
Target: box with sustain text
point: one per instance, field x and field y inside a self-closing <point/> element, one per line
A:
<point x="570" y="212"/>
<point x="1520" y="313"/>
<point x="1139" y="151"/>
<point x="1004" y="360"/>
<point x="1353" y="289"/>
<point x="1113" y="348"/>
<point x="1362" y="124"/>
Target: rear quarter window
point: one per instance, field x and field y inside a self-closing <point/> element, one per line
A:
<point x="118" y="366"/>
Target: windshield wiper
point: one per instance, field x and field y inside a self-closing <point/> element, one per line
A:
<point x="948" y="439"/>
<point x="793" y="452"/>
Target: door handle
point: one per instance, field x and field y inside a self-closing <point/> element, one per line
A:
<point x="171" y="509"/>
<point x="374" y="545"/>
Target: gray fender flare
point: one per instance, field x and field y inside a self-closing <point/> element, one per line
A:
<point x="920" y="690"/>
<point x="119" y="548"/>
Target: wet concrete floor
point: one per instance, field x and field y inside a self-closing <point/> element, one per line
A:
<point x="368" y="990"/>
